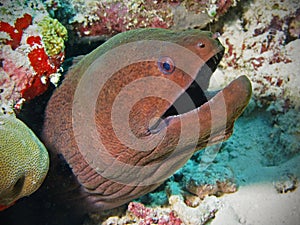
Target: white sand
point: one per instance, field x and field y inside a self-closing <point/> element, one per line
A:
<point x="259" y="204"/>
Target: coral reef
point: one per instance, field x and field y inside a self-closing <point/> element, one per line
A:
<point x="106" y="18"/>
<point x="23" y="158"/>
<point x="259" y="44"/>
<point x="214" y="180"/>
<point x="195" y="215"/>
<point x="15" y="32"/>
<point x="176" y="213"/>
<point x="150" y="216"/>
<point x="31" y="53"/>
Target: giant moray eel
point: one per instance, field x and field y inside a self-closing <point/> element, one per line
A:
<point x="100" y="178"/>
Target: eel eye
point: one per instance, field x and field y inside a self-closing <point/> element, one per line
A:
<point x="166" y="65"/>
<point x="201" y="44"/>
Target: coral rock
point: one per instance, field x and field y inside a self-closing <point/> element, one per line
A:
<point x="287" y="182"/>
<point x="108" y="17"/>
<point x="259" y="45"/>
<point x="198" y="215"/>
<point x="294" y="27"/>
<point x="32" y="50"/>
<point x="152" y="216"/>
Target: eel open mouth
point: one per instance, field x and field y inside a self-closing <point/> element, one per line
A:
<point x="194" y="92"/>
<point x="193" y="97"/>
<point x="234" y="97"/>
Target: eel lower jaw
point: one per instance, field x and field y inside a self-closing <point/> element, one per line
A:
<point x="222" y="108"/>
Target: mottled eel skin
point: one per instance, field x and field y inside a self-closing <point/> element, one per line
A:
<point x="87" y="188"/>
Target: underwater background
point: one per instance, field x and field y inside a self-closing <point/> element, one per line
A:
<point x="252" y="178"/>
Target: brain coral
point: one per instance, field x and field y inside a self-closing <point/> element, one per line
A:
<point x="24" y="160"/>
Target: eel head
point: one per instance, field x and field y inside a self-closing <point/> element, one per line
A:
<point x="133" y="111"/>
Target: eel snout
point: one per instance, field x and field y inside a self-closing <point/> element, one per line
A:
<point x="216" y="117"/>
<point x="210" y="123"/>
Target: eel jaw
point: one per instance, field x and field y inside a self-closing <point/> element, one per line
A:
<point x="216" y="111"/>
<point x="197" y="92"/>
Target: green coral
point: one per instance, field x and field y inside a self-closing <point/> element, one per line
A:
<point x="54" y="34"/>
<point x="24" y="161"/>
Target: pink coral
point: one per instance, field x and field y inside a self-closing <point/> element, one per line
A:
<point x="43" y="65"/>
<point x="106" y="18"/>
<point x="151" y="216"/>
<point x="19" y="75"/>
<point x="115" y="17"/>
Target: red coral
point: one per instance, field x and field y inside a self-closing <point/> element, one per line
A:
<point x="23" y="22"/>
<point x="42" y="65"/>
<point x="2" y="207"/>
<point x="15" y="32"/>
<point x="149" y="216"/>
<point x="32" y="40"/>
